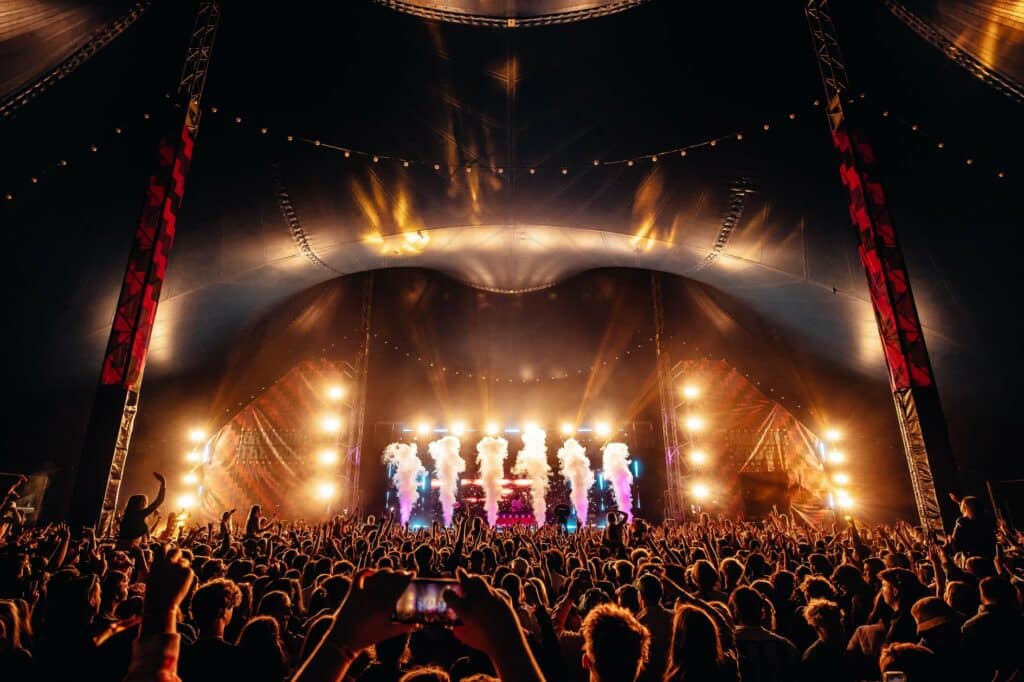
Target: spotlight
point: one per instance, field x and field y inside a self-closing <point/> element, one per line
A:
<point x="423" y="428"/>
<point x="530" y="426"/>
<point x="841" y="479"/>
<point x="457" y="428"/>
<point x="691" y="392"/>
<point x="335" y="392"/>
<point x="700" y="491"/>
<point x="833" y="435"/>
<point x="186" y="501"/>
<point x="193" y="457"/>
<point x="197" y="435"/>
<point x="325" y="490"/>
<point x="694" y="423"/>
<point x="843" y="500"/>
<point x="492" y="429"/>
<point x="328" y="457"/>
<point x="603" y="429"/>
<point x="836" y="457"/>
<point x="568" y="429"/>
<point x="190" y="478"/>
<point x="698" y="457"/>
<point x="331" y="424"/>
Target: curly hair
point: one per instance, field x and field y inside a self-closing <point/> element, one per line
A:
<point x="213" y="599"/>
<point x="615" y="642"/>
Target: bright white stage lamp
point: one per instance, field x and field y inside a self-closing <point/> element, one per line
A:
<point x="325" y="490"/>
<point x="694" y="423"/>
<point x="193" y="457"/>
<point x="836" y="457"/>
<point x="700" y="491"/>
<point x="492" y="429"/>
<point x="328" y="457"/>
<point x="186" y="501"/>
<point x="698" y="457"/>
<point x="603" y="429"/>
<point x="331" y="424"/>
<point x="691" y="392"/>
<point x="335" y="393"/>
<point x="530" y="426"/>
<point x="423" y="428"/>
<point x="833" y="435"/>
<point x="843" y="500"/>
<point x="190" y="478"/>
<point x="196" y="435"/>
<point x="457" y="428"/>
<point x="568" y="429"/>
<point x="841" y="478"/>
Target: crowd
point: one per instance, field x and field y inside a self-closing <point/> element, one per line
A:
<point x="710" y="599"/>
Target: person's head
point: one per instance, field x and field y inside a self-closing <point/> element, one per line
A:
<point x="424" y="557"/>
<point x="969" y="506"/>
<point x="513" y="586"/>
<point x="254" y="511"/>
<point x="628" y="597"/>
<point x="276" y="604"/>
<point x="825" y="618"/>
<point x="900" y="588"/>
<point x="996" y="591"/>
<point x="704" y="575"/>
<point x="783" y="584"/>
<point x="591" y="599"/>
<point x="731" y="569"/>
<point x="136" y="502"/>
<point x="114" y="589"/>
<point x="962" y="596"/>
<point x="846" y="578"/>
<point x="747" y="607"/>
<point x="696" y="644"/>
<point x="260" y="636"/>
<point x="651" y="590"/>
<point x="916" y="661"/>
<point x="817" y="587"/>
<point x="213" y="604"/>
<point x="615" y="644"/>
<point x="930" y="613"/>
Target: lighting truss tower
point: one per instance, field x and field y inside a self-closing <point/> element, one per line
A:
<point x="97" y="476"/>
<point x="354" y="451"/>
<point x="922" y="424"/>
<point x="675" y="464"/>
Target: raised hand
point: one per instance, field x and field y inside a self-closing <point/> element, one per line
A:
<point x="160" y="477"/>
<point x="166" y="586"/>
<point x="364" y="618"/>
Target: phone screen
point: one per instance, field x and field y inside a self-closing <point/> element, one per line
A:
<point x="423" y="602"/>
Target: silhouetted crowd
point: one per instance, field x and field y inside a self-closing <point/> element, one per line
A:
<point x="711" y="599"/>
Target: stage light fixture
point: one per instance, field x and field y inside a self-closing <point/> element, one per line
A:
<point x="196" y="435"/>
<point x="493" y="429"/>
<point x="190" y="478"/>
<point x="691" y="392"/>
<point x="700" y="491"/>
<point x="836" y="457"/>
<point x="603" y="429"/>
<point x="568" y="429"/>
<point x="186" y="501"/>
<point x="335" y="392"/>
<point x="531" y="426"/>
<point x="331" y="424"/>
<point x="328" y="457"/>
<point x="841" y="478"/>
<point x="457" y="428"/>
<point x="423" y="428"/>
<point x="698" y="457"/>
<point x="694" y="423"/>
<point x="833" y="435"/>
<point x="193" y="456"/>
<point x="325" y="490"/>
<point x="843" y="500"/>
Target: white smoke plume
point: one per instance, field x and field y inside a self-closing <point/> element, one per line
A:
<point x="447" y="467"/>
<point x="490" y="461"/>
<point x="408" y="468"/>
<point x="574" y="466"/>
<point x="617" y="472"/>
<point x="532" y="462"/>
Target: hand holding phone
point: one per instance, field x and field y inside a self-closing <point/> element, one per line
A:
<point x="423" y="602"/>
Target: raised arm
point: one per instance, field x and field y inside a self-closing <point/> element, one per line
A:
<point x="159" y="496"/>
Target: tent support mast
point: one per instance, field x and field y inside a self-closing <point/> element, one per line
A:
<point x="675" y="467"/>
<point x="117" y="397"/>
<point x="354" y="452"/>
<point x="921" y="421"/>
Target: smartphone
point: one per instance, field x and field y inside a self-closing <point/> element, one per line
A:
<point x="894" y="676"/>
<point x="423" y="602"/>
